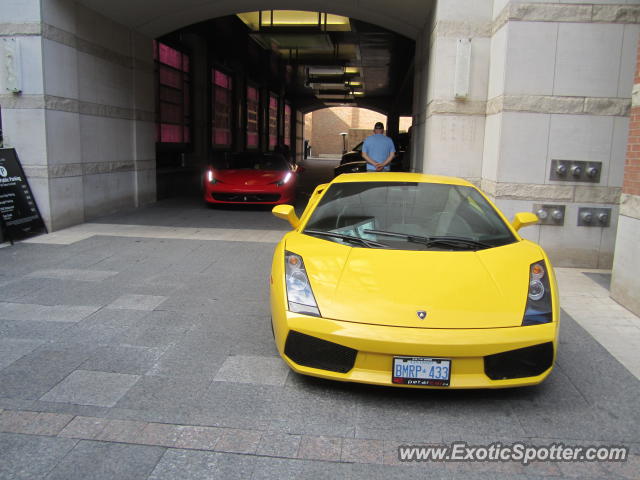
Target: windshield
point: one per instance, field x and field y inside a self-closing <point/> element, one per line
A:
<point x="408" y="215"/>
<point x="252" y="161"/>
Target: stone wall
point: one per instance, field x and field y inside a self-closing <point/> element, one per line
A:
<point x="23" y="115"/>
<point x="547" y="81"/>
<point x="451" y="142"/>
<point x="83" y="124"/>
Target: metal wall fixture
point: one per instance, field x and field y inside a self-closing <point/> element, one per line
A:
<point x="549" y="214"/>
<point x="11" y="64"/>
<point x="575" y="171"/>
<point x="594" y="217"/>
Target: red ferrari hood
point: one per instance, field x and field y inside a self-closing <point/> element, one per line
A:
<point x="250" y="177"/>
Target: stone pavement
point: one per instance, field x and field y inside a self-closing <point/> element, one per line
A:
<point x="585" y="296"/>
<point x="138" y="348"/>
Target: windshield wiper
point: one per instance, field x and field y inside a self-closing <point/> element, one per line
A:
<point x="342" y="236"/>
<point x="459" y="241"/>
<point x="429" y="241"/>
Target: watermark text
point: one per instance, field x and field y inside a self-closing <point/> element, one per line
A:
<point x="514" y="452"/>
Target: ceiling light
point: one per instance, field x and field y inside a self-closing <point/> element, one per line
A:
<point x="326" y="71"/>
<point x="319" y="86"/>
<point x="294" y="18"/>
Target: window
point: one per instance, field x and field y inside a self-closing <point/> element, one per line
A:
<point x="273" y="121"/>
<point x="287" y="124"/>
<point x="253" y="104"/>
<point x="252" y="161"/>
<point x="221" y="108"/>
<point x="173" y="125"/>
<point x="409" y="216"/>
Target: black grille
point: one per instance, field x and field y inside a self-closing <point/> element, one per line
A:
<point x="246" y="197"/>
<point x="316" y="353"/>
<point x="524" y="362"/>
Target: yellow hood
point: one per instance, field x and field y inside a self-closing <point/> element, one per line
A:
<point x="459" y="289"/>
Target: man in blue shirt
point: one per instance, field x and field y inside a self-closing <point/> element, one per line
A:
<point x="378" y="150"/>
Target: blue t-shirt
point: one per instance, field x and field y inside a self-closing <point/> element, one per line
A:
<point x="378" y="147"/>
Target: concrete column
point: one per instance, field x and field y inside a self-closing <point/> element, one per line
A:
<point x="23" y="113"/>
<point x="451" y="89"/>
<point x="83" y="124"/>
<point x="419" y="107"/>
<point x="201" y="103"/>
<point x="62" y="113"/>
<point x="144" y="126"/>
<point x="625" y="282"/>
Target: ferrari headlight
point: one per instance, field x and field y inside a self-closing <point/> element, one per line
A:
<point x="284" y="180"/>
<point x="539" y="309"/>
<point x="210" y="177"/>
<point x="299" y="294"/>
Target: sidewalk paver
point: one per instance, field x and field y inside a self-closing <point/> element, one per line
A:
<point x="85" y="387"/>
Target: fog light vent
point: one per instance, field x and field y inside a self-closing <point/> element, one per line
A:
<point x="524" y="362"/>
<point x="313" y="352"/>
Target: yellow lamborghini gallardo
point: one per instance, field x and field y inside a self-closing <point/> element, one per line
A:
<point x="415" y="281"/>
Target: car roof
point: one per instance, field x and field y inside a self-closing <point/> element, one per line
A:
<point x="399" y="177"/>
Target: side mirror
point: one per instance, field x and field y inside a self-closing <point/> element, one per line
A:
<point x="299" y="169"/>
<point x="286" y="212"/>
<point x="524" y="219"/>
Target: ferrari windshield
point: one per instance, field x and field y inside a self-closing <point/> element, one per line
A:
<point x="408" y="215"/>
<point x="252" y="161"/>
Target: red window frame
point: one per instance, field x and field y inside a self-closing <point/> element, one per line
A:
<point x="173" y="79"/>
<point x="221" y="108"/>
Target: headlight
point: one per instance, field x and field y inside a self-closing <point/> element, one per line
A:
<point x="210" y="177"/>
<point x="536" y="290"/>
<point x="286" y="178"/>
<point x="299" y="294"/>
<point x="539" y="309"/>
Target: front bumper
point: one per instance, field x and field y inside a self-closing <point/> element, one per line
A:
<point x="240" y="194"/>
<point x="376" y="345"/>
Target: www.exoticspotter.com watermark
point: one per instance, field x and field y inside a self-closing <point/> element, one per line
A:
<point x="514" y="452"/>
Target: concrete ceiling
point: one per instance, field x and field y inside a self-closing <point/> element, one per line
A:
<point x="159" y="17"/>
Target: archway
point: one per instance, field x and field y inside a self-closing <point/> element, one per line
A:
<point x="243" y="82"/>
<point x="406" y="17"/>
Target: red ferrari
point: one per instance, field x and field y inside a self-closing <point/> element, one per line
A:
<point x="251" y="177"/>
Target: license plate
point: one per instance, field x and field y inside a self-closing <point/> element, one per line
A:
<point x="421" y="371"/>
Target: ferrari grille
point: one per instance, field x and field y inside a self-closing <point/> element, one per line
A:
<point x="316" y="353"/>
<point x="246" y="197"/>
<point x="523" y="362"/>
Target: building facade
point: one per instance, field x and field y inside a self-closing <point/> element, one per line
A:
<point x="625" y="283"/>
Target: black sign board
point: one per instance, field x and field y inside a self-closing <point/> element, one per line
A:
<point x="18" y="208"/>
